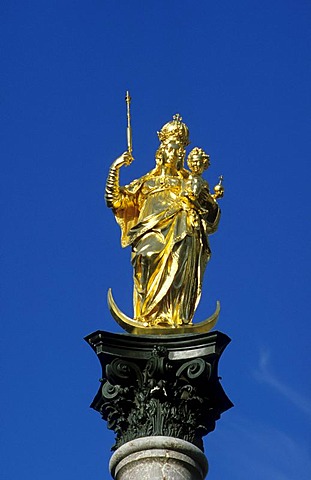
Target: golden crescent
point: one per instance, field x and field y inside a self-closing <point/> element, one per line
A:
<point x="140" y="328"/>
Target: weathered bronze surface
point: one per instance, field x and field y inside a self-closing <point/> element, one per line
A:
<point x="160" y="385"/>
<point x="166" y="217"/>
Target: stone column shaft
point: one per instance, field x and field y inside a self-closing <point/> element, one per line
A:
<point x="158" y="458"/>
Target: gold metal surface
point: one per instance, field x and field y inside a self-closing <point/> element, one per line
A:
<point x="166" y="217"/>
<point x="139" y="328"/>
<point x="219" y="188"/>
<point x="129" y="127"/>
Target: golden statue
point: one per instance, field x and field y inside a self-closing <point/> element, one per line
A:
<point x="166" y="217"/>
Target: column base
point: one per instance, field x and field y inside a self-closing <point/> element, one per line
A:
<point x="158" y="458"/>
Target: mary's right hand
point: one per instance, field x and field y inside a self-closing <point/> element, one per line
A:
<point x="125" y="159"/>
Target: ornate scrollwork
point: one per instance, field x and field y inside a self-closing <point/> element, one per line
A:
<point x="157" y="397"/>
<point x="110" y="391"/>
<point x="168" y="388"/>
<point x="157" y="363"/>
<point x="123" y="372"/>
<point x="194" y="368"/>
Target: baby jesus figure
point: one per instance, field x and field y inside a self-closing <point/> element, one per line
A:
<point x="196" y="188"/>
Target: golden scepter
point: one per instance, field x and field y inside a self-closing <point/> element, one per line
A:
<point x="129" y="128"/>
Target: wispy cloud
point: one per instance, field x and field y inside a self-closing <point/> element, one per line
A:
<point x="252" y="449"/>
<point x="265" y="374"/>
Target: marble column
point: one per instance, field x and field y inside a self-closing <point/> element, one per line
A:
<point x="158" y="458"/>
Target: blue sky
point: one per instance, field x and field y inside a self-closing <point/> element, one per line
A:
<point x="239" y="74"/>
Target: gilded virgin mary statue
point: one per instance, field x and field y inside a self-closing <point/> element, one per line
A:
<point x="166" y="217"/>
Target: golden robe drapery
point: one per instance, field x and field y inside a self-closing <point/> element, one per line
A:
<point x="168" y="234"/>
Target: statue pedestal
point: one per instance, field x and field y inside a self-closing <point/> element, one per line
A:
<point x="158" y="458"/>
<point x="160" y="395"/>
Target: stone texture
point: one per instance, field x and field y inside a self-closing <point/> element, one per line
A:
<point x="158" y="458"/>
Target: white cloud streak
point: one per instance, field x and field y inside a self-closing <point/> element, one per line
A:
<point x="264" y="374"/>
<point x="251" y="449"/>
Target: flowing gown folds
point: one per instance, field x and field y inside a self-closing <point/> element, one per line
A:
<point x="169" y="249"/>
